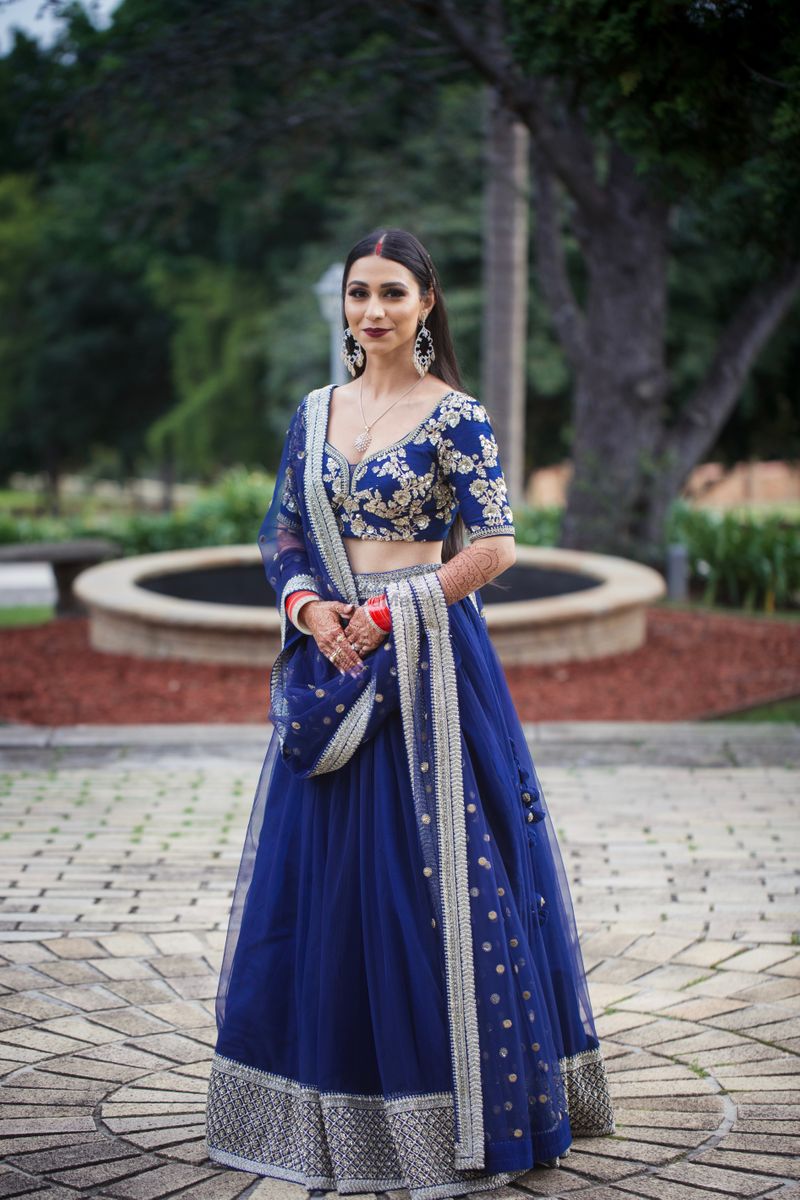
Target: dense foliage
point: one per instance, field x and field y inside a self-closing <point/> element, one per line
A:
<point x="171" y="187"/>
<point x="704" y="94"/>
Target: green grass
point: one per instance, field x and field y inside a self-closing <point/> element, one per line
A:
<point x="27" y="614"/>
<point x="80" y="505"/>
<point x="778" y="710"/>
<point x="11" y="501"/>
<point x="724" y="610"/>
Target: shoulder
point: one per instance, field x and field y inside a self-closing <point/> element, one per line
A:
<point x="312" y="400"/>
<point x="466" y="441"/>
<point x="307" y="405"/>
<point x="461" y="407"/>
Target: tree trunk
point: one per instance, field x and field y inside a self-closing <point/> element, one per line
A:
<point x="168" y="475"/>
<point x="505" y="286"/>
<point x="629" y="462"/>
<point x="52" y="470"/>
<point x="620" y="376"/>
<point x="684" y="444"/>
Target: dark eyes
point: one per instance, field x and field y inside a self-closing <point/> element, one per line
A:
<point x="357" y="293"/>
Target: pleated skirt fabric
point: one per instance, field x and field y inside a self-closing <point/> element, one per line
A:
<point x="333" y="1066"/>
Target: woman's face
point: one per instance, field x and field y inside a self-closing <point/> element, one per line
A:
<point x="383" y="295"/>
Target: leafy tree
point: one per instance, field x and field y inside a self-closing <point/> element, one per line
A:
<point x="21" y="256"/>
<point x="218" y="363"/>
<point x="95" y="372"/>
<point x="653" y="126"/>
<point x="263" y="138"/>
<point x="83" y="351"/>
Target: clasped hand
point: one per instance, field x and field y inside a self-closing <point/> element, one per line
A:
<point x="361" y="634"/>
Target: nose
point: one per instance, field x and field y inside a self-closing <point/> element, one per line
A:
<point x="374" y="309"/>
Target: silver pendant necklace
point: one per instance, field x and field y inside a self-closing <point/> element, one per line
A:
<point x="364" y="439"/>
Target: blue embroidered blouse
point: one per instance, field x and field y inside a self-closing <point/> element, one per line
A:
<point x="412" y="489"/>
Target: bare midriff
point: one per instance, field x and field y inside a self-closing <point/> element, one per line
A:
<point x="368" y="555"/>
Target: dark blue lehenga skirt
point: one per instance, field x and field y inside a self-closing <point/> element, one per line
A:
<point x="333" y="1064"/>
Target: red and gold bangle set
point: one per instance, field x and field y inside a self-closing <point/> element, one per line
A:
<point x="293" y="602"/>
<point x="376" y="606"/>
<point x="378" y="609"/>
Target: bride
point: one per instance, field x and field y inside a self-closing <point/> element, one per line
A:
<point x="402" y="1001"/>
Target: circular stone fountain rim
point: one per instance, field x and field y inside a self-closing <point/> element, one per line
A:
<point x="113" y="587"/>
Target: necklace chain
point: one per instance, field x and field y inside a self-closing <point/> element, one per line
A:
<point x="364" y="439"/>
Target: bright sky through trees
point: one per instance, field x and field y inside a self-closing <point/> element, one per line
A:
<point x="39" y="21"/>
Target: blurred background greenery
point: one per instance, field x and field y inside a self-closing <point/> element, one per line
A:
<point x="173" y="184"/>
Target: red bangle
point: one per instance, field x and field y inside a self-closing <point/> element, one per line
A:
<point x="293" y="598"/>
<point x="378" y="608"/>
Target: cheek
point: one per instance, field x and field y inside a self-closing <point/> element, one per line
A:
<point x="408" y="317"/>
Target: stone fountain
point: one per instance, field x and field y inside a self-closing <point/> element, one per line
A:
<point x="215" y="605"/>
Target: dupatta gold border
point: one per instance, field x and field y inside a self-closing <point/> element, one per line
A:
<point x="322" y="517"/>
<point x="451" y="832"/>
<point x="446" y="753"/>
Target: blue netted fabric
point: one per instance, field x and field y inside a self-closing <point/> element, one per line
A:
<point x="402" y="1001"/>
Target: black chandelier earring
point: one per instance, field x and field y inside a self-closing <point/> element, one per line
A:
<point x="352" y="351"/>
<point x="424" y="353"/>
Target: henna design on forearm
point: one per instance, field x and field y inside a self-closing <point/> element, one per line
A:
<point x="471" y="568"/>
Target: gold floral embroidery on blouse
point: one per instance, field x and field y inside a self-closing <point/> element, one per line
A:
<point x="415" y="486"/>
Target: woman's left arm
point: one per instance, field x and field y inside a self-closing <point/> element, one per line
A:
<point x="475" y="565"/>
<point x="470" y="461"/>
<point x="471" y="568"/>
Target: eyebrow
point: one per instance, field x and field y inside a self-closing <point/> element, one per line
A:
<point x="360" y="282"/>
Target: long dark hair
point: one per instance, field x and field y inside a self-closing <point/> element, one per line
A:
<point x="401" y="246"/>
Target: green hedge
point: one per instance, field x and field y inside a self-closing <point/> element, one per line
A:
<point x="538" y="526"/>
<point x="229" y="514"/>
<point x="745" y="560"/>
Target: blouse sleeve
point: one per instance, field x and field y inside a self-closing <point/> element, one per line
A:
<point x="470" y="459"/>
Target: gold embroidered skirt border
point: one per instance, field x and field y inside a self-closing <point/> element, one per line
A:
<point x="591" y="1113"/>
<point x="269" y="1125"/>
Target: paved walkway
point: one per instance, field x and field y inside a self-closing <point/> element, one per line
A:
<point x="27" y="583"/>
<point x="119" y="848"/>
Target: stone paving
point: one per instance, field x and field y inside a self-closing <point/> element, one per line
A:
<point x="119" y="849"/>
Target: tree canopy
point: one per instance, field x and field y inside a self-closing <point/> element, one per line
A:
<point x="171" y="187"/>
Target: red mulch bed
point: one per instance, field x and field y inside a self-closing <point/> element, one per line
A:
<point x="693" y="665"/>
